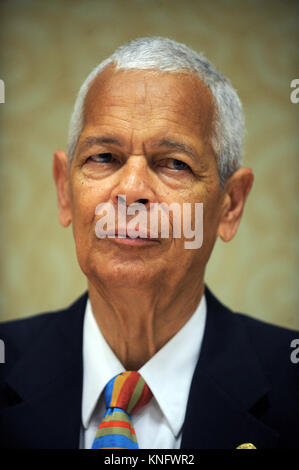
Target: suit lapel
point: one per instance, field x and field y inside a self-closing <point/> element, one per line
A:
<point x="228" y="384"/>
<point x="47" y="412"/>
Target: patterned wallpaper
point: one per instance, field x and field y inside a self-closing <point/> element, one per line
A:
<point x="47" y="49"/>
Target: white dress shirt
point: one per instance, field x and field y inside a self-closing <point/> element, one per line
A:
<point x="168" y="373"/>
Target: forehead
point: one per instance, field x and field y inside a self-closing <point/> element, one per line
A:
<point x="139" y="96"/>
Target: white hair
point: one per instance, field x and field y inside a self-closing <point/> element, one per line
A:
<point x="166" y="55"/>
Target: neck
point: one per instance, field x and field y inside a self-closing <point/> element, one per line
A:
<point x="137" y="322"/>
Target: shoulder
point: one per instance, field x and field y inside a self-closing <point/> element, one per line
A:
<point x="269" y="340"/>
<point x="19" y="335"/>
<point x="25" y="328"/>
<point x="272" y="345"/>
<point x="265" y="333"/>
<point x="28" y="326"/>
<point x="253" y="362"/>
<point x="266" y="338"/>
<point x="275" y="348"/>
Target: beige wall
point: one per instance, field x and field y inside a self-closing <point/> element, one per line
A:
<point x="47" y="49"/>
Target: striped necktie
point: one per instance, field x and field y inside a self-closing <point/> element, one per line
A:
<point x="124" y="394"/>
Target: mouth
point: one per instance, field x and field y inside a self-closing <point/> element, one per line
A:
<point x="135" y="241"/>
<point x="125" y="239"/>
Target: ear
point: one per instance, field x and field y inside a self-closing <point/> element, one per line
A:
<point x="235" y="194"/>
<point x="61" y="177"/>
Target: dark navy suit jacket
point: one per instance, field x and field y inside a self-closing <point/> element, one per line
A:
<point x="245" y="387"/>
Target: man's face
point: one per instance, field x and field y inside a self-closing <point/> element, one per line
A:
<point x="146" y="136"/>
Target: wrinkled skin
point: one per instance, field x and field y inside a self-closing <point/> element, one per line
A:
<point x="153" y="144"/>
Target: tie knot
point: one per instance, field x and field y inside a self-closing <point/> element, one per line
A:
<point x="127" y="391"/>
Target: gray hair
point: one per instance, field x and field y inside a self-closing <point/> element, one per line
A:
<point x="166" y="55"/>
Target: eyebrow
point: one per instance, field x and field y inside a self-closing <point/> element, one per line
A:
<point x="168" y="143"/>
<point x="94" y="140"/>
<point x="174" y="145"/>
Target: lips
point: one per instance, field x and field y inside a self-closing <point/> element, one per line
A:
<point x="142" y="235"/>
<point x="142" y="240"/>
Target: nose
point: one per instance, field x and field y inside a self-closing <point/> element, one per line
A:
<point x="135" y="182"/>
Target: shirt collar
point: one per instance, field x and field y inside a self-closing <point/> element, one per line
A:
<point x="168" y="373"/>
<point x="100" y="364"/>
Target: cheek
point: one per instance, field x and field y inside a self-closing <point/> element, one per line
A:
<point x="208" y="195"/>
<point x="85" y="198"/>
<point x="211" y="219"/>
<point x="83" y="209"/>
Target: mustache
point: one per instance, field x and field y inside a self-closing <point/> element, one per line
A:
<point x="131" y="229"/>
<point x="153" y="222"/>
<point x="122" y="222"/>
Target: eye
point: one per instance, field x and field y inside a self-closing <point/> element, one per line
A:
<point x="174" y="164"/>
<point x="101" y="158"/>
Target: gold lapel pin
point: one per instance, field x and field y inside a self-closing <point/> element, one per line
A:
<point x="247" y="445"/>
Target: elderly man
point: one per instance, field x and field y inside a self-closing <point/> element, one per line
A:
<point x="149" y="358"/>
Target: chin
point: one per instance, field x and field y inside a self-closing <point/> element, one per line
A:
<point x="128" y="274"/>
